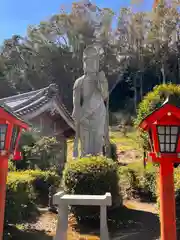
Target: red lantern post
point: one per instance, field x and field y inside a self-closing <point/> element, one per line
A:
<point x="10" y="131"/>
<point x="163" y="127"/>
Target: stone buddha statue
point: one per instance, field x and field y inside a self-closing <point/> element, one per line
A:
<point x="90" y="93"/>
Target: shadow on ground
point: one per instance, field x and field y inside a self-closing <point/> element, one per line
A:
<point x="134" y="224"/>
<point x="16" y="234"/>
<point x="127" y="224"/>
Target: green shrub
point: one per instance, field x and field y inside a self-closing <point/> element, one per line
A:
<point x="177" y="184"/>
<point x="28" y="139"/>
<point x="138" y="182"/>
<point x="42" y="180"/>
<point x="94" y="176"/>
<point x="26" y="189"/>
<point x="177" y="190"/>
<point x="38" y="152"/>
<point x="152" y="101"/>
<point x="20" y="197"/>
<point x="11" y="165"/>
<point x="113" y="149"/>
<point x="142" y="183"/>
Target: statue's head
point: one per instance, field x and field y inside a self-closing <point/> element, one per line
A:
<point x="91" y="59"/>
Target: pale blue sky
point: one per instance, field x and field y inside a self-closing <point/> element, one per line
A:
<point x="16" y="15"/>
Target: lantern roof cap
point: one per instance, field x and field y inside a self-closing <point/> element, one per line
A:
<point x="7" y="109"/>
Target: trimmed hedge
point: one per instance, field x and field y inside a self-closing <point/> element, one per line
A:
<point x="26" y="189"/>
<point x="91" y="175"/>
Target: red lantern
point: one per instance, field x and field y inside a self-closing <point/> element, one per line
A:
<point x="163" y="127"/>
<point x="10" y="130"/>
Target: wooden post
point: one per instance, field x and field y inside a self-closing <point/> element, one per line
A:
<point x="167" y="201"/>
<point x="3" y="179"/>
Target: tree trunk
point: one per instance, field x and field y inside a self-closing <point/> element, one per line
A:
<point x="163" y="73"/>
<point x="135" y="93"/>
<point x="178" y="80"/>
<point x="141" y="85"/>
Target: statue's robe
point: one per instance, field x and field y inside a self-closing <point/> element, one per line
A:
<point x="89" y="113"/>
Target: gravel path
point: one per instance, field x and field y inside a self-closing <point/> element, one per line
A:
<point x="46" y="224"/>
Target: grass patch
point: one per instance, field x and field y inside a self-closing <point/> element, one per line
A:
<point x="139" y="167"/>
<point x="124" y="143"/>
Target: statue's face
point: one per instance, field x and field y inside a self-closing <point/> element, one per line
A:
<point x="91" y="65"/>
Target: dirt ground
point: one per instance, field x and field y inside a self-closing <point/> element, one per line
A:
<point x="143" y="224"/>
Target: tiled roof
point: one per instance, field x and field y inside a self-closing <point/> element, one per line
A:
<point x="29" y="102"/>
